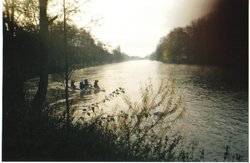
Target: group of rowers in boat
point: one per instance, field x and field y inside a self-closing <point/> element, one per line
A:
<point x="85" y="85"/>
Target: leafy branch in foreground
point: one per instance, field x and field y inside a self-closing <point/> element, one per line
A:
<point x="138" y="127"/>
<point x="143" y="126"/>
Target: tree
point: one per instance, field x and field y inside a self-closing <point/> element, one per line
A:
<point x="66" y="66"/>
<point x="117" y="53"/>
<point x="67" y="11"/>
<point x="40" y="96"/>
<point x="172" y="47"/>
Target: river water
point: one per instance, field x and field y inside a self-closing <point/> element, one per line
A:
<point x="216" y="112"/>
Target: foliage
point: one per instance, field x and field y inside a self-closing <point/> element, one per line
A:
<point x="219" y="38"/>
<point x="20" y="35"/>
<point x="172" y="48"/>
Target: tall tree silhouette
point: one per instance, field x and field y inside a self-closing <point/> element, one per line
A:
<point x="39" y="98"/>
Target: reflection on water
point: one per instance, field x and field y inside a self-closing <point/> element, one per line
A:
<point x="216" y="112"/>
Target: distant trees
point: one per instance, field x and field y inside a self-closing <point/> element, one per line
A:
<point x="33" y="46"/>
<point x="119" y="55"/>
<point x="172" y="48"/>
<point x="219" y="38"/>
<point x="83" y="49"/>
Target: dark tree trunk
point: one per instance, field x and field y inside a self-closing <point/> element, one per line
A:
<point x="40" y="96"/>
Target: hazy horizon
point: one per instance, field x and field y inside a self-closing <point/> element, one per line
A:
<point x="137" y="26"/>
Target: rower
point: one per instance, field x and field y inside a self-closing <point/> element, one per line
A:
<point x="86" y="84"/>
<point x="81" y="86"/>
<point x="72" y="84"/>
<point x="96" y="84"/>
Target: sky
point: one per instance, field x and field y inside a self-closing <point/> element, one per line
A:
<point x="137" y="25"/>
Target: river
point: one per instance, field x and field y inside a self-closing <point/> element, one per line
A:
<point x="216" y="112"/>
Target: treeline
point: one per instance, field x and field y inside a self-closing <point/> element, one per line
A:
<point x="83" y="50"/>
<point x="22" y="43"/>
<point x="22" y="49"/>
<point x="219" y="38"/>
